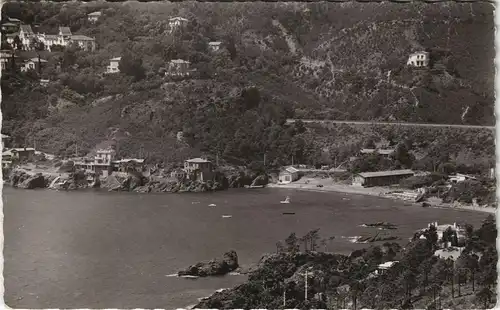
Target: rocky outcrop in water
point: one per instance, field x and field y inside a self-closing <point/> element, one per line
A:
<point x="33" y="181"/>
<point x="216" y="267"/>
<point x="23" y="179"/>
<point x="382" y="225"/>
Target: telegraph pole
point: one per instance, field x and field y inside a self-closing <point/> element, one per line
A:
<point x="292" y="160"/>
<point x="284" y="297"/>
<point x="305" y="288"/>
<point x="264" y="159"/>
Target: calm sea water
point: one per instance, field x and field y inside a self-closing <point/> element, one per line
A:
<point x="115" y="250"/>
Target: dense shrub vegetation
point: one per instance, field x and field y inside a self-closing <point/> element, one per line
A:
<point x="419" y="280"/>
<point x="343" y="63"/>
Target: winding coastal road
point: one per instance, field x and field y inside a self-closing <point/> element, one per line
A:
<point x="317" y="121"/>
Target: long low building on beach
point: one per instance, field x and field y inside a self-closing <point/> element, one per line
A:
<point x="381" y="178"/>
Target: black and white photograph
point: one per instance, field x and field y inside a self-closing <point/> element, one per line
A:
<point x="248" y="155"/>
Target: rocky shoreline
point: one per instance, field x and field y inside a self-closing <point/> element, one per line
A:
<point x="216" y="267"/>
<point x="27" y="178"/>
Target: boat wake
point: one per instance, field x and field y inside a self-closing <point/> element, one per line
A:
<point x="353" y="239"/>
<point x="174" y="275"/>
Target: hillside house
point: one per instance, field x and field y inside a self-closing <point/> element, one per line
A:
<point x="23" y="154"/>
<point x="180" y="136"/>
<point x="11" y="37"/>
<point x="381" y="178"/>
<point x="176" y="22"/>
<point x="113" y="66"/>
<point x="14" y="21"/>
<point x="26" y="35"/>
<point x="6" y="59"/>
<point x="288" y="175"/>
<point x="33" y="64"/>
<point x="418" y="59"/>
<point x="10" y="27"/>
<point x="383" y="152"/>
<point x="382" y="268"/>
<point x="5" y="141"/>
<point x="178" y="174"/>
<point x="94" y="16"/>
<point x="63" y="38"/>
<point x="457" y="231"/>
<point x="214" y="46"/>
<point x="199" y="169"/>
<point x="178" y="68"/>
<point x="7" y="159"/>
<point x="44" y="82"/>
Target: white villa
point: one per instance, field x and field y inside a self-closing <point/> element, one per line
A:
<point x="176" y="22"/>
<point x="288" y="175"/>
<point x="63" y="38"/>
<point x="178" y="67"/>
<point x="113" y="66"/>
<point x="215" y="45"/>
<point x="418" y="59"/>
<point x="33" y="64"/>
<point x="94" y="16"/>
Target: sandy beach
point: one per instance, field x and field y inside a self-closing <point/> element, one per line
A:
<point x="311" y="184"/>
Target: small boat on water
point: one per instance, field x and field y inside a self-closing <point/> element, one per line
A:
<point x="227" y="216"/>
<point x="287" y="200"/>
<point x="212" y="205"/>
<point x="288" y="213"/>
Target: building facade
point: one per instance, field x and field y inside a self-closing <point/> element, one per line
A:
<point x="176" y="23"/>
<point x="199" y="169"/>
<point x="33" y="64"/>
<point x="288" y="175"/>
<point x="383" y="152"/>
<point x="381" y="178"/>
<point x="113" y="66"/>
<point x="418" y="59"/>
<point x="23" y="154"/>
<point x="215" y="46"/>
<point x="94" y="16"/>
<point x="178" y="68"/>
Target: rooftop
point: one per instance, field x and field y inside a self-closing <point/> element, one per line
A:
<point x="214" y="43"/>
<point x="65" y="31"/>
<point x="79" y="37"/>
<point x="36" y="59"/>
<point x="9" y="24"/>
<point x="128" y="160"/>
<point x="197" y="160"/>
<point x="179" y="61"/>
<point x="419" y="53"/>
<point x="177" y="18"/>
<point x="387" y="265"/>
<point x="20" y="149"/>
<point x="27" y="29"/>
<point x="292" y="169"/>
<point x="386" y="173"/>
<point x="380" y="151"/>
<point x="116" y="59"/>
<point x="95" y="14"/>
